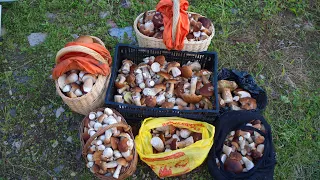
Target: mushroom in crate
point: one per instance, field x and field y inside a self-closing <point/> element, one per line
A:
<point x="243" y="149"/>
<point x="108" y="144"/>
<point x="158" y="83"/>
<point x="169" y="138"/>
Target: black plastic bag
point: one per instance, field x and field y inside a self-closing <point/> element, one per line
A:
<point x="246" y="82"/>
<point x="234" y="120"/>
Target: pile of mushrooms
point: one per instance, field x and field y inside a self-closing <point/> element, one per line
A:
<point x="234" y="97"/>
<point x="151" y="24"/>
<point x="76" y="83"/>
<point x="110" y="151"/>
<point x="169" y="138"/>
<point x="158" y="83"/>
<point x="243" y="149"/>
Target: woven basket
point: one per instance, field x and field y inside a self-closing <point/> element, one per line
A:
<point x="95" y="98"/>
<point x="151" y="42"/>
<point x="125" y="172"/>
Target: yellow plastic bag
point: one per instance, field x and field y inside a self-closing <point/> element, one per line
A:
<point x="180" y="161"/>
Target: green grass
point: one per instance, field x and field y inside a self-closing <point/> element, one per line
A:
<point x="269" y="39"/>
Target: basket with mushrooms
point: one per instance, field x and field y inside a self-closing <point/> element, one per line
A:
<point x="149" y="28"/>
<point x="82" y="73"/>
<point x="108" y="144"/>
<point x="158" y="83"/>
<point x="242" y="149"/>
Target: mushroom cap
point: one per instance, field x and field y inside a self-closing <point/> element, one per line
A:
<point x="235" y="155"/>
<point x="196" y="136"/>
<point x="161" y="60"/>
<point x="172" y="129"/>
<point x="248" y="103"/>
<point x="136" y="89"/>
<point x="84" y="39"/>
<point x="256" y="155"/>
<point x="142" y="65"/>
<point x="197" y="26"/>
<point x="160" y="86"/>
<point x="148" y="16"/>
<point x="127" y="61"/>
<point x="95" y="168"/>
<point x="123" y="146"/>
<point x="191" y="98"/>
<point x="203" y="72"/>
<point x="114" y="143"/>
<point x="190" y="36"/>
<point x="222" y="84"/>
<point x="168" y="105"/>
<point x="179" y="90"/>
<point x="133" y="67"/>
<point x="158" y="35"/>
<point x="233" y="165"/>
<point x="151" y="101"/>
<point x="119" y="85"/>
<point x="186" y="71"/>
<point x="131" y="78"/>
<point x="157" y="20"/>
<point x="205" y="22"/>
<point x="146" y="31"/>
<point x="122" y="162"/>
<point x="173" y="145"/>
<point x="172" y="81"/>
<point x="207" y="90"/>
<point x="172" y="64"/>
<point x="164" y="75"/>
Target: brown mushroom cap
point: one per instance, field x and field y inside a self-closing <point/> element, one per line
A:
<point x="157" y="20"/>
<point x="122" y="162"/>
<point x="158" y="35"/>
<point x="172" y="64"/>
<point x="151" y="101"/>
<point x="145" y="31"/>
<point x="136" y="89"/>
<point x="172" y="81"/>
<point x="160" y="86"/>
<point x="186" y="71"/>
<point x="114" y="143"/>
<point x="256" y="155"/>
<point x="161" y="136"/>
<point x="248" y="103"/>
<point x="84" y="39"/>
<point x="236" y="156"/>
<point x="172" y="129"/>
<point x="190" y="36"/>
<point x="178" y="91"/>
<point x="173" y="145"/>
<point x="133" y="67"/>
<point x="148" y="16"/>
<point x="127" y="61"/>
<point x="164" y="75"/>
<point x="222" y="84"/>
<point x="197" y="26"/>
<point x="95" y="168"/>
<point x="233" y="165"/>
<point x="168" y="105"/>
<point x="131" y="79"/>
<point x="122" y="145"/>
<point x="191" y="98"/>
<point x="160" y="59"/>
<point x="196" y="136"/>
<point x="85" y="135"/>
<point x="205" y="22"/>
<point x="207" y="90"/>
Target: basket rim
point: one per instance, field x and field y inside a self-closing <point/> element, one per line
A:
<point x="161" y="40"/>
<point x="114" y="73"/>
<point x="81" y="97"/>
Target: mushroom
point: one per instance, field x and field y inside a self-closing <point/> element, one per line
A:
<point x="131" y="78"/>
<point x="167" y="105"/>
<point x="234" y="106"/>
<point x="226" y="149"/>
<point x="66" y="88"/>
<point x="155" y="67"/>
<point x="95" y="168"/>
<point x="157" y="143"/>
<point x="173" y="68"/>
<point x="222" y="84"/>
<point x="205" y="22"/>
<point x="158" y="35"/>
<point x="161" y="98"/>
<point x="185" y="133"/>
<point x="190" y="36"/>
<point x="114" y="143"/>
<point x="151" y="101"/>
<point x="120" y="81"/>
<point x="118" y="98"/>
<point x="128" y="97"/>
<point x="207" y="90"/>
<point x="121" y="162"/>
<point x="169" y="141"/>
<point x="157" y="20"/>
<point x="136" y="95"/>
<point x="89" y="76"/>
<point x="105" y="165"/>
<point x="186" y="71"/>
<point x="62" y="81"/>
<point x="172" y="82"/>
<point x="148" y="16"/>
<point x="108" y="135"/>
<point x="196" y="136"/>
<point x="233" y="165"/>
<point x="149" y="82"/>
<point x="73" y="77"/>
<point x="259" y="140"/>
<point x="178" y="145"/>
<point x="260" y="148"/>
<point x="87" y="85"/>
<point x="163" y="76"/>
<point x="249" y="164"/>
<point x="242" y="94"/>
<point x="123" y="89"/>
<point x="151" y="91"/>
<point x="181" y="102"/>
<point x="195" y="66"/>
<point x="226" y="95"/>
<point x="179" y="90"/>
<point x="117" y="154"/>
<point x="248" y="103"/>
<point x="126" y="66"/>
<point x="192" y="97"/>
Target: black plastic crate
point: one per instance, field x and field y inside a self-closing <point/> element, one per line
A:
<point x="208" y="60"/>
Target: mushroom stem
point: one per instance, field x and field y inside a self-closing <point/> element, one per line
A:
<point x="193" y="85"/>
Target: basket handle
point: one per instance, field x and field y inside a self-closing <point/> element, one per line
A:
<point x="101" y="131"/>
<point x="98" y="40"/>
<point x="175" y="19"/>
<point x="79" y="48"/>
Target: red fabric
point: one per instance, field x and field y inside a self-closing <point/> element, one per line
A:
<point x="166" y="8"/>
<point x="82" y="61"/>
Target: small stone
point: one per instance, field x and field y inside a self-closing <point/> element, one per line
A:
<point x="103" y="14"/>
<point x="10" y="92"/>
<point x="91" y="25"/>
<point x="17" y="144"/>
<point x="69" y="139"/>
<point x="5" y="143"/>
<point x="43" y="109"/>
<point x="50" y="77"/>
<point x="55" y="144"/>
<point x="75" y="36"/>
<point x="111" y="23"/>
<point x="36" y="38"/>
<point x="51" y="16"/>
<point x="59" y="111"/>
<point x="32" y="125"/>
<point x="72" y="174"/>
<point x="126" y="4"/>
<point x="13" y="112"/>
<point x="234" y="11"/>
<point x="58" y="169"/>
<point x="262" y="76"/>
<point x="35" y="111"/>
<point x="120" y="32"/>
<point x="308" y="26"/>
<point x="41" y="121"/>
<point x="297" y="25"/>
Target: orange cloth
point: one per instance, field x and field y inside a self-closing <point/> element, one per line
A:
<point x="166" y="8"/>
<point x="82" y="61"/>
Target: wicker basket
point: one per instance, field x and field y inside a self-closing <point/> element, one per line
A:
<point x="151" y="42"/>
<point x="125" y="172"/>
<point x="95" y="98"/>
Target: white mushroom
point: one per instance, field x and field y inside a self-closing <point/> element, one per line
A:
<point x="107" y="152"/>
<point x="66" y="88"/>
<point x="101" y="147"/>
<point x="249" y="164"/>
<point x="226" y="149"/>
<point x="73" y="77"/>
<point x="90" y="164"/>
<point x="108" y="111"/>
<point x="223" y="158"/>
<point x="185" y="133"/>
<point x="161" y="98"/>
<point x="62" y="81"/>
<point x="157" y="143"/>
<point x="155" y="67"/>
<point x="90" y="157"/>
<point x="175" y="72"/>
<point x="97" y="126"/>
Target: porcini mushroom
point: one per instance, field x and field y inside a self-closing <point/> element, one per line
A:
<point x="178" y="145"/>
<point x="249" y="164"/>
<point x="62" y="81"/>
<point x="126" y="66"/>
<point x="121" y="162"/>
<point x="192" y="97"/>
<point x="206" y="90"/>
<point x="157" y="143"/>
<point x="172" y="82"/>
<point x="151" y="101"/>
<point x="222" y="84"/>
<point x="248" y="103"/>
